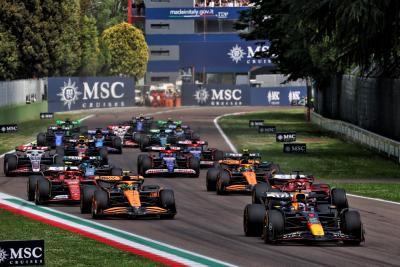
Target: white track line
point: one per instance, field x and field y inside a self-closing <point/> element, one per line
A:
<point x="233" y="148"/>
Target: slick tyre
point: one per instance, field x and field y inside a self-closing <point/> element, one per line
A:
<point x="146" y="165"/>
<point x="273" y="226"/>
<point x="253" y="218"/>
<point x="195" y="136"/>
<point x="223" y="180"/>
<point x="87" y="192"/>
<point x="100" y="202"/>
<point x="58" y="160"/>
<point x="167" y="201"/>
<point x="258" y="191"/>
<point x="117" y="144"/>
<point x="31" y="186"/>
<point x="103" y="153"/>
<point x="211" y="179"/>
<point x="42" y="191"/>
<point x="218" y="155"/>
<point x="41" y="139"/>
<point x="10" y="164"/>
<point x="194" y="164"/>
<point x="144" y="142"/>
<point x="351" y="225"/>
<point x="339" y="198"/>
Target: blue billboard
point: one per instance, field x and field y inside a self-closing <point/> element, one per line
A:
<point x="223" y="54"/>
<point x="74" y="93"/>
<point x="230" y="13"/>
<point x="240" y="95"/>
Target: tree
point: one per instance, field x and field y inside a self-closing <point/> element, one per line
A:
<point x="9" y="59"/>
<point x="89" y="46"/>
<point x="128" y="50"/>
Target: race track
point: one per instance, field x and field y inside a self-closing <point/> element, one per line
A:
<point x="212" y="225"/>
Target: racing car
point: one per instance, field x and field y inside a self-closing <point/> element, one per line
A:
<point x="82" y="147"/>
<point x="58" y="134"/>
<point x="158" y="137"/>
<point x="298" y="216"/>
<point x="199" y="149"/>
<point x="127" y="196"/>
<point x="239" y="173"/>
<point x="179" y="129"/>
<point x="293" y="182"/>
<point x="105" y="138"/>
<point x="61" y="184"/>
<point x="28" y="160"/>
<point x="168" y="161"/>
<point x="141" y="124"/>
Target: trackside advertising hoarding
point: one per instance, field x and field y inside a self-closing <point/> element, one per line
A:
<point x="74" y="93"/>
<point x="243" y="95"/>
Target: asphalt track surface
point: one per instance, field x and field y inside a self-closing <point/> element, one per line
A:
<point x="212" y="225"/>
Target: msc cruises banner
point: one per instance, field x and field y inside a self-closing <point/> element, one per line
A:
<point x="74" y="93"/>
<point x="231" y="13"/>
<point x="242" y="95"/>
<point x="223" y="54"/>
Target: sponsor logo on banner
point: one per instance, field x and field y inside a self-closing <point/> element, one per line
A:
<point x="294" y="95"/>
<point x="286" y="137"/>
<point x="266" y="129"/>
<point x="255" y="123"/>
<point x="197" y="13"/>
<point x="295" y="148"/>
<point x="238" y="53"/>
<point x="21" y="253"/>
<point x="273" y="97"/>
<point x="46" y="115"/>
<point x="8" y="128"/>
<point x="219" y="97"/>
<point x="72" y="93"/>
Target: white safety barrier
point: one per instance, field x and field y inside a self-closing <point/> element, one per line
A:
<point x="356" y="134"/>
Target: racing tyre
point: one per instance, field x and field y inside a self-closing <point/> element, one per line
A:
<point x="116" y="171"/>
<point x="273" y="226"/>
<point x="194" y="164"/>
<point x="42" y="191"/>
<point x="351" y="225"/>
<point x="139" y="163"/>
<point x="222" y="182"/>
<point x="173" y="139"/>
<point x="258" y="191"/>
<point x="58" y="160"/>
<point x="117" y="144"/>
<point x="10" y="164"/>
<point x="146" y="165"/>
<point x="167" y="200"/>
<point x="100" y="202"/>
<point x="144" y="142"/>
<point x="339" y="198"/>
<point x="136" y="137"/>
<point x="195" y="136"/>
<point x="218" y="155"/>
<point x="87" y="192"/>
<point x="41" y="139"/>
<point x="31" y="186"/>
<point x="253" y="218"/>
<point x="211" y="179"/>
<point x="104" y="155"/>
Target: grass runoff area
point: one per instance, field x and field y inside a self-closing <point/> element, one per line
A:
<point x="27" y="131"/>
<point x="340" y="163"/>
<point x="63" y="248"/>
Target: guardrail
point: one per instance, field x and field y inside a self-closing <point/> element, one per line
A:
<point x="356" y="134"/>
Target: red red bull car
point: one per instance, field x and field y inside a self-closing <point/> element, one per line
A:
<point x="29" y="160"/>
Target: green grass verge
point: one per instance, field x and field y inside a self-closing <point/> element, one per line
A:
<point x="377" y="190"/>
<point x="22" y="113"/>
<point x="327" y="157"/>
<point x="27" y="131"/>
<point x="63" y="248"/>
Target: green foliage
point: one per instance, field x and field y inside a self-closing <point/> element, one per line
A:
<point x="320" y="38"/>
<point x="128" y="50"/>
<point x="9" y="60"/>
<point x="90" y="47"/>
<point x="107" y="12"/>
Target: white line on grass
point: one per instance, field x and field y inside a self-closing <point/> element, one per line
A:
<point x="233" y="148"/>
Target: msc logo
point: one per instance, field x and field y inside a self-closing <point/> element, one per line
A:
<point x="219" y="97"/>
<point x="273" y="97"/>
<point x="99" y="90"/>
<point x="294" y="95"/>
<point x="237" y="54"/>
<point x="20" y="253"/>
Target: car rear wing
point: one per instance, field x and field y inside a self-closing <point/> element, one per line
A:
<point x="117" y="178"/>
<point x="292" y="176"/>
<point x="238" y="156"/>
<point x="93" y="132"/>
<point x="190" y="142"/>
<point x="160" y="148"/>
<point x="31" y="147"/>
